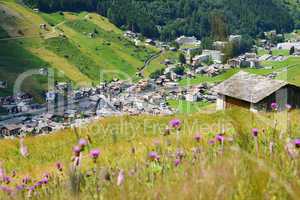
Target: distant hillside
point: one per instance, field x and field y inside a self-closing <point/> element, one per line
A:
<point x="171" y="18"/>
<point x="65" y="45"/>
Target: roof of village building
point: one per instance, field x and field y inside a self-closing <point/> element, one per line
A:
<point x="249" y="87"/>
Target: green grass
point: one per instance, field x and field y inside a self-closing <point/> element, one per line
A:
<point x="293" y="66"/>
<point x="16" y="60"/>
<point x="80" y="58"/>
<point x="202" y="78"/>
<point x="158" y="62"/>
<point x="53" y="18"/>
<point x="275" y="52"/>
<point x="187" y="107"/>
<point x="236" y="165"/>
<point x="109" y="49"/>
<point x="64" y="48"/>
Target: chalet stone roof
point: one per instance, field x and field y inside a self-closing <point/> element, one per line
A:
<point x="249" y="87"/>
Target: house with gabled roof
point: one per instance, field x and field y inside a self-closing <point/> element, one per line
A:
<point x="256" y="93"/>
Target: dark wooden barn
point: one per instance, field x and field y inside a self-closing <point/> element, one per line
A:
<point x="256" y="93"/>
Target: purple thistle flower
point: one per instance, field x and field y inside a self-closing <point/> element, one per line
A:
<point x="77" y="150"/>
<point x="6" y="179"/>
<point x="82" y="143"/>
<point x="45" y="180"/>
<point x="297" y="143"/>
<point x="20" y="187"/>
<point x="38" y="184"/>
<point x="32" y="188"/>
<point x="274" y="106"/>
<point x="220" y="138"/>
<point x="95" y="154"/>
<point x="59" y="166"/>
<point x="255" y="132"/>
<point x="175" y="123"/>
<point x="153" y="155"/>
<point x="177" y="162"/>
<point x="197" y="137"/>
<point x="121" y="178"/>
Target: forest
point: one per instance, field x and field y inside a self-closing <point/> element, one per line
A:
<point x="168" y="19"/>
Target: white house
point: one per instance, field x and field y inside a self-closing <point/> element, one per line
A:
<point x="187" y="40"/>
<point x="288" y="45"/>
<point x="216" y="56"/>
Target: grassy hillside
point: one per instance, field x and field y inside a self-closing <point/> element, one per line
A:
<point x="65" y="46"/>
<point x="236" y="165"/>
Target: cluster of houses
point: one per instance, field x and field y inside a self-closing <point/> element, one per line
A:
<point x="247" y="60"/>
<point x="68" y="107"/>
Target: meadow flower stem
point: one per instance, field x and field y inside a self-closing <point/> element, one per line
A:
<point x="177" y="137"/>
<point x="256" y="145"/>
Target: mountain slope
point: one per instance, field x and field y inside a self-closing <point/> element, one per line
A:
<point x="64" y="45"/>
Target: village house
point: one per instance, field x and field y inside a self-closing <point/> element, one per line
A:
<point x="219" y="45"/>
<point x="288" y="45"/>
<point x="197" y="60"/>
<point x="256" y="93"/>
<point x="10" y="130"/>
<point x="216" y="56"/>
<point x="3" y="84"/>
<point x="235" y="38"/>
<point x="183" y="40"/>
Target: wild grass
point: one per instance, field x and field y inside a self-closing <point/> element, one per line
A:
<point x="223" y="167"/>
<point x="184" y="106"/>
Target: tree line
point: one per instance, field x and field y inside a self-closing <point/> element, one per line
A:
<point x="168" y="19"/>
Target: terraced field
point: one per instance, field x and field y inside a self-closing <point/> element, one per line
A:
<point x="64" y="45"/>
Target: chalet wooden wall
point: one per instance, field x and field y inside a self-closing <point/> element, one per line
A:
<point x="233" y="102"/>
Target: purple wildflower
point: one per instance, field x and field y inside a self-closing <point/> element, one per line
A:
<point x="45" y="180"/>
<point x="82" y="143"/>
<point x="197" y="137"/>
<point x="32" y="188"/>
<point x="59" y="166"/>
<point x="177" y="162"/>
<point x="20" y="187"/>
<point x="95" y="154"/>
<point x="121" y="178"/>
<point x="220" y="138"/>
<point x="274" y="106"/>
<point x="175" y="123"/>
<point x="255" y="132"/>
<point x="297" y="143"/>
<point x="153" y="155"/>
<point x="77" y="150"/>
<point x="288" y="107"/>
<point x="6" y="179"/>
